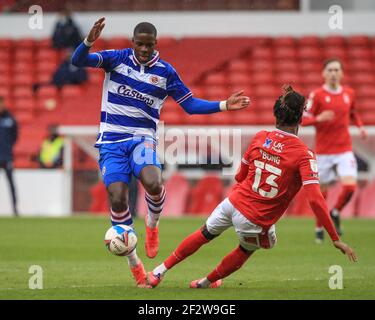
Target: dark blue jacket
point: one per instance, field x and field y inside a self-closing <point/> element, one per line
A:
<point x="8" y="135"/>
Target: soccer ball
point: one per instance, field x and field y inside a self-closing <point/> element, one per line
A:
<point x="120" y="240"/>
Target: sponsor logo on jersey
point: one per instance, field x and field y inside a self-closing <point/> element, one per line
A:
<point x="278" y="147"/>
<point x="328" y="99"/>
<point x="131" y="93"/>
<point x="103" y="171"/>
<point x="129" y="71"/>
<point x="268" y="143"/>
<point x="310" y="153"/>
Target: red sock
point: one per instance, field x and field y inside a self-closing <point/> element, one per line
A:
<point x="186" y="248"/>
<point x="318" y="224"/>
<point x="231" y="263"/>
<point x="345" y="196"/>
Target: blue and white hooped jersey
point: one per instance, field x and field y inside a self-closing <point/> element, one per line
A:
<point x="133" y="94"/>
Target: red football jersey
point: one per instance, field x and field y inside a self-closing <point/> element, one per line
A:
<point x="279" y="163"/>
<point x="333" y="136"/>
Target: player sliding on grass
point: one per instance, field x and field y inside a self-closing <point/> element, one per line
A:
<point x="330" y="110"/>
<point x="136" y="84"/>
<point x="273" y="169"/>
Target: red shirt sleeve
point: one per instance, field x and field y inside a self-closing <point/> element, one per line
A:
<point x="308" y="168"/>
<point x="320" y="209"/>
<point x="244" y="167"/>
<point x="309" y="116"/>
<point x="354" y="114"/>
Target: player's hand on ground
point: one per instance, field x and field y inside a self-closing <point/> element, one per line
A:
<point x="96" y="30"/>
<point x="326" y="115"/>
<point x="363" y="133"/>
<point x="345" y="249"/>
<point x="238" y="101"/>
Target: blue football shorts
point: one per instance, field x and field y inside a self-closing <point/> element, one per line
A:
<point x="118" y="161"/>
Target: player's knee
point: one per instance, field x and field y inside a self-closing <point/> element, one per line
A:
<point x="209" y="236"/>
<point x="119" y="201"/>
<point x="246" y="251"/>
<point x="154" y="187"/>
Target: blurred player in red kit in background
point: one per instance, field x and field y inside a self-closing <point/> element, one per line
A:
<point x="273" y="169"/>
<point x="330" y="109"/>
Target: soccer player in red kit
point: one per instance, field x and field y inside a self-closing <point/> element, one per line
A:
<point x="273" y="169"/>
<point x="330" y="109"/>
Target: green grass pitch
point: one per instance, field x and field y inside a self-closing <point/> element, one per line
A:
<point x="76" y="264"/>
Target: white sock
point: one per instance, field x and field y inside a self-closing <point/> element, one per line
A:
<point x="204" y="283"/>
<point x="152" y="219"/>
<point x="133" y="258"/>
<point x="159" y="271"/>
<point x="335" y="212"/>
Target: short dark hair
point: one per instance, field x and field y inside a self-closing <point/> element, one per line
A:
<point x="145" y="27"/>
<point x="289" y="107"/>
<point x="330" y="60"/>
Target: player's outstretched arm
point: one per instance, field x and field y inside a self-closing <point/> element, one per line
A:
<point x="81" y="56"/>
<point x="320" y="209"/>
<point x="194" y="105"/>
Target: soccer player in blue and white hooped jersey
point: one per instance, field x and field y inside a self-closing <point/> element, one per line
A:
<point x="136" y="84"/>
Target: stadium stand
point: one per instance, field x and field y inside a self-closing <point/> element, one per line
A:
<point x="256" y="65"/>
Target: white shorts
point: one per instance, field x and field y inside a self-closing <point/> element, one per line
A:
<point x="332" y="165"/>
<point x="251" y="236"/>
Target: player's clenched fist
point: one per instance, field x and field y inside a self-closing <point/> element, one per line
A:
<point x="96" y="30"/>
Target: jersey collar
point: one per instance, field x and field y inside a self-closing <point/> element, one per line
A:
<point x="154" y="60"/>
<point x="286" y="133"/>
<point x="331" y="91"/>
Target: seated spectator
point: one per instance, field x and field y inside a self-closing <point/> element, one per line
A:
<point x="66" y="73"/>
<point x="51" y="151"/>
<point x="66" y="33"/>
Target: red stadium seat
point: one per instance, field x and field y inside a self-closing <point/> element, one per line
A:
<point x="216" y="79"/>
<point x="6" y="44"/>
<point x="45" y="43"/>
<point x="367" y="103"/>
<point x="99" y="199"/>
<point x="334" y="41"/>
<point x="25" y="117"/>
<point x="5" y="79"/>
<point x="23" y="92"/>
<point x="24" y="104"/>
<point x="47" y="55"/>
<point x="23" y="79"/>
<point x="361" y="65"/>
<point x="366" y="203"/>
<point x="264" y="53"/>
<point x="24" y="68"/>
<point x="309" y="41"/>
<point x="310" y="66"/>
<point x="286" y="65"/>
<point x="266" y="91"/>
<point x="24" y="55"/>
<point x="287" y="78"/>
<point x="238" y="65"/>
<point x="25" y="43"/>
<point x="239" y="78"/>
<point x="309" y="53"/>
<point x="220" y="118"/>
<point x="261" y="65"/>
<point x="312" y="79"/>
<point x="5" y="56"/>
<point x="49" y="91"/>
<point x="363" y="78"/>
<point x="216" y="92"/>
<point x="360" y="53"/>
<point x="262" y="78"/>
<point x="118" y="43"/>
<point x="284" y="42"/>
<point x="205" y="196"/>
<point x="358" y="41"/>
<point x="72" y="91"/>
<point x="285" y="53"/>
